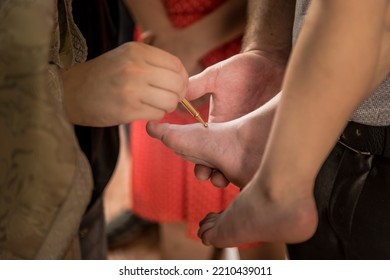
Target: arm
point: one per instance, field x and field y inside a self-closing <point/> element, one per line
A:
<point x="335" y="66"/>
<point x="192" y="147"/>
<point x="329" y="75"/>
<point x="270" y="27"/>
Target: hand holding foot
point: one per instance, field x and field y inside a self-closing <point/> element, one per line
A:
<point x="238" y="85"/>
<point x="234" y="148"/>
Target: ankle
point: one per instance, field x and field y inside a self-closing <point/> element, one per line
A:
<point x="304" y="221"/>
<point x="297" y="207"/>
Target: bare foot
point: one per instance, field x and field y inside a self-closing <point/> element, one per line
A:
<point x="220" y="146"/>
<point x="257" y="215"/>
<point x="234" y="148"/>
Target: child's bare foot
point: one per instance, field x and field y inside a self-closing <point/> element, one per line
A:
<point x="256" y="215"/>
<point x="234" y="148"/>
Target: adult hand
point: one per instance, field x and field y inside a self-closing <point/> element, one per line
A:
<point x="132" y="82"/>
<point x="238" y="85"/>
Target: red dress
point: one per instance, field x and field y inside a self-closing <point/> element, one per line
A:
<point x="164" y="186"/>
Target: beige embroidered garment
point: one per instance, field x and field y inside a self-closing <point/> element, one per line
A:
<point x="45" y="181"/>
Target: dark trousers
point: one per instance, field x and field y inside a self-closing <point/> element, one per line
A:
<point x="352" y="192"/>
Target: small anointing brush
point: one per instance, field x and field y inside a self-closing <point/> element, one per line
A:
<point x="193" y="111"/>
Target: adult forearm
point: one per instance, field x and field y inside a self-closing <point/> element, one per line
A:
<point x="331" y="71"/>
<point x="269" y="27"/>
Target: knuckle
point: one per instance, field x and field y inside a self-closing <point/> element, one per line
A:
<point x="132" y="49"/>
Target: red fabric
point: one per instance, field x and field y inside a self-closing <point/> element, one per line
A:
<point x="164" y="186"/>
